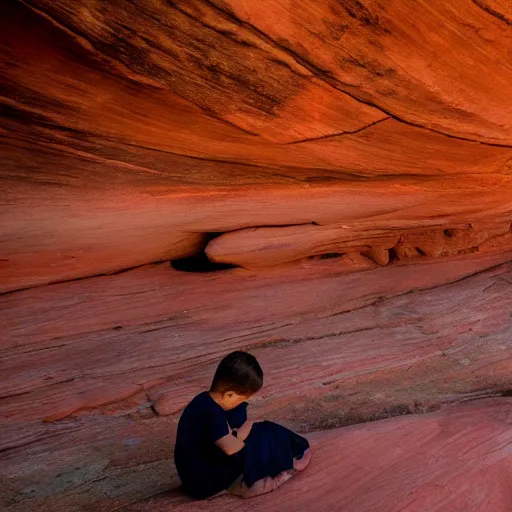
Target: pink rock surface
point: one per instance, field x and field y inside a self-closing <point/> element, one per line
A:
<point x="95" y="372"/>
<point x="260" y="134"/>
<point x="455" y="460"/>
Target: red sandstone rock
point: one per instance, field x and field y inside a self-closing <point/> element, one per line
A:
<point x="262" y="247"/>
<point x="386" y="55"/>
<point x="90" y="364"/>
<point x="456" y="460"/>
<point x="133" y="133"/>
<point x="129" y="144"/>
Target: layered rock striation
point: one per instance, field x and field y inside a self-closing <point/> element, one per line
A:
<point x="327" y="184"/>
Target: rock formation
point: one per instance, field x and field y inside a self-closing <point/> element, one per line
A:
<point x="327" y="184"/>
<point x="458" y="472"/>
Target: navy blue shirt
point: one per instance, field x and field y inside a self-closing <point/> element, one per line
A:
<point x="204" y="469"/>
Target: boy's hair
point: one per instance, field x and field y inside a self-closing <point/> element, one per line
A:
<point x="239" y="372"/>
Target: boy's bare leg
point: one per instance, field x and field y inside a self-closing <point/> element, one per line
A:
<point x="263" y="486"/>
<point x="269" y="484"/>
<point x="221" y="493"/>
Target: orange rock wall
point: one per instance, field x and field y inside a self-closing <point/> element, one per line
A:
<point x="330" y="180"/>
<point x="124" y="122"/>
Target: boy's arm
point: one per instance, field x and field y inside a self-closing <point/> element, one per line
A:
<point x="229" y="444"/>
<point x="244" y="431"/>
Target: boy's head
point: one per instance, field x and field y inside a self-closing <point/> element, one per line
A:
<point x="237" y="377"/>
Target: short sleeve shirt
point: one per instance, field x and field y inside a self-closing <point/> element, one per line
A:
<point x="205" y="469"/>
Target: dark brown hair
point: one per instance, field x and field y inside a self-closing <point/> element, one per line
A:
<point x="239" y="372"/>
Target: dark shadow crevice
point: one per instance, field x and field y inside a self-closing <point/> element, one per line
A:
<point x="494" y="13"/>
<point x="393" y="256"/>
<point x="330" y="255"/>
<point x="339" y="134"/>
<point x="199" y="263"/>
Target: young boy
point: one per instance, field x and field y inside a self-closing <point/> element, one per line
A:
<point x="218" y="448"/>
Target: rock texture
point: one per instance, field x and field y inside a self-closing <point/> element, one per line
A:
<point x="458" y="460"/>
<point x="327" y="184"/>
<point x="96" y="371"/>
<point x="169" y="121"/>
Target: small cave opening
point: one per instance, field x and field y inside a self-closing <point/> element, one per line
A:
<point x="449" y="233"/>
<point x="393" y="256"/>
<point x="330" y="255"/>
<point x="199" y="263"/>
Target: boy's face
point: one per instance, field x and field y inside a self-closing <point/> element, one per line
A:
<point x="231" y="400"/>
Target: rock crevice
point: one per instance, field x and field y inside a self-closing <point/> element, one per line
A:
<point x="326" y="184"/>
